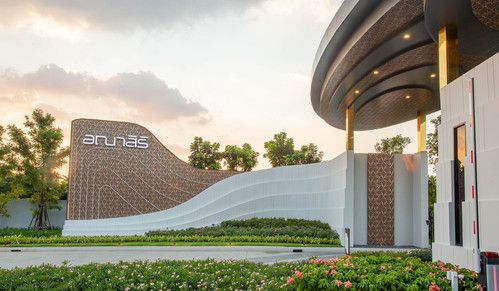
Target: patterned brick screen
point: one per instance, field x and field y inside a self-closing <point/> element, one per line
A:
<point x="115" y="181"/>
<point x="380" y="199"/>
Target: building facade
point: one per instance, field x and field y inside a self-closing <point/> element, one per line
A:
<point x="123" y="181"/>
<point x="384" y="62"/>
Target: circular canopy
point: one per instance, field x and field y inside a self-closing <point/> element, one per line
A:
<point x="380" y="57"/>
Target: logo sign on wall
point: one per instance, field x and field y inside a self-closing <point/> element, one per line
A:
<point x="130" y="141"/>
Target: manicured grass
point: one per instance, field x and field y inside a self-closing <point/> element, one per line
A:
<point x="386" y="271"/>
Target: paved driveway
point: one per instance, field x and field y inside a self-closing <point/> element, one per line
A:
<point x="22" y="257"/>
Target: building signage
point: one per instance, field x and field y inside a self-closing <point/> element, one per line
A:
<point x="129" y="141"/>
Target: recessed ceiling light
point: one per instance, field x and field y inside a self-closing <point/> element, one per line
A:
<point x="433" y="75"/>
<point x="407" y="96"/>
<point x="357" y="91"/>
<point x="407" y="36"/>
<point x="375" y="72"/>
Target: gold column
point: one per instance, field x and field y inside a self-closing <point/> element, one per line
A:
<point x="448" y="56"/>
<point x="421" y="132"/>
<point x="349" y="128"/>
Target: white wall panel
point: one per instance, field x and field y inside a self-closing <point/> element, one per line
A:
<point x="315" y="191"/>
<point x="455" y="111"/>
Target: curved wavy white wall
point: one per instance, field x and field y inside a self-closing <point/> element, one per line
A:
<point x="316" y="191"/>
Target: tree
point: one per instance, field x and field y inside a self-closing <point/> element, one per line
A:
<point x="311" y="154"/>
<point x="205" y="155"/>
<point x="432" y="199"/>
<point x="278" y="149"/>
<point x="37" y="155"/>
<point x="10" y="188"/>
<point x="393" y="145"/>
<point x="432" y="141"/>
<point x="240" y="159"/>
<point x="281" y="152"/>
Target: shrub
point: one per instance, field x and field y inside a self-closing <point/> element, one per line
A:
<point x="378" y="272"/>
<point x="275" y="222"/>
<point x="364" y="272"/>
<point x="423" y="254"/>
<point x="183" y="275"/>
<point x="258" y="227"/>
<point x="29" y="232"/>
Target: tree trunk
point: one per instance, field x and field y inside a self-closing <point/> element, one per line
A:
<point x="42" y="221"/>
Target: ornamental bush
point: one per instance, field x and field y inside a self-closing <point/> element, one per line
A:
<point x="364" y="272"/>
<point x="258" y="227"/>
<point x="158" y="275"/>
<point x="378" y="272"/>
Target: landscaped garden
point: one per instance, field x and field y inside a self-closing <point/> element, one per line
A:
<point x="372" y="271"/>
<point x="255" y="231"/>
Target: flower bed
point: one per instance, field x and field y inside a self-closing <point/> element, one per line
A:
<point x="176" y="275"/>
<point x="378" y="272"/>
<point x="363" y="272"/>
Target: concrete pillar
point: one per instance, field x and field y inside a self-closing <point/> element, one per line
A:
<point x="448" y="55"/>
<point x="421" y="121"/>
<point x="349" y="122"/>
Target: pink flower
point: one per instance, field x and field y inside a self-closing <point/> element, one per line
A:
<point x="290" y="281"/>
<point x="433" y="287"/>
<point x="298" y="274"/>
<point x="348" y="284"/>
<point x="338" y="283"/>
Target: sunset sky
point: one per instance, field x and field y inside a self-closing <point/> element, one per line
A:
<point x="229" y="71"/>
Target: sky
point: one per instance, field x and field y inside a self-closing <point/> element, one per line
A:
<point x="230" y="71"/>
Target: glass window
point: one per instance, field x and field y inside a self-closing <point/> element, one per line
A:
<point x="459" y="180"/>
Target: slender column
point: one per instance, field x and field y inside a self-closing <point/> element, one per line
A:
<point x="349" y="128"/>
<point x="448" y="56"/>
<point x="421" y="132"/>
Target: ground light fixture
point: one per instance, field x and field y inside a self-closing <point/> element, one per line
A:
<point x="407" y="35"/>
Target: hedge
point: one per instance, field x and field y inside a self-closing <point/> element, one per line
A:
<point x="61" y="240"/>
<point x="258" y="227"/>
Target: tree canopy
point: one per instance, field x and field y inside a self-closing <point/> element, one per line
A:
<point x="10" y="184"/>
<point x="35" y="157"/>
<point x="392" y="145"/>
<point x="432" y="141"/>
<point x="240" y="159"/>
<point x="205" y="155"/>
<point x="281" y="152"/>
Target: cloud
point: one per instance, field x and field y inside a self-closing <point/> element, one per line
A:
<point x="320" y="10"/>
<point x="141" y="94"/>
<point x="119" y="15"/>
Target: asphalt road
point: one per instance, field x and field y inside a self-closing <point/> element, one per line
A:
<point x="27" y="256"/>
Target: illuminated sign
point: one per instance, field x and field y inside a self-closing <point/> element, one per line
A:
<point x="130" y="141"/>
